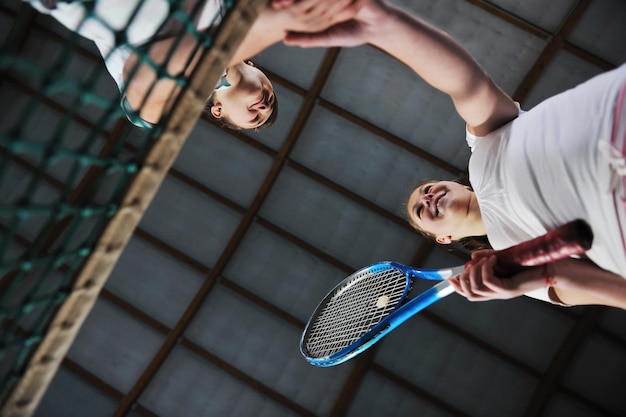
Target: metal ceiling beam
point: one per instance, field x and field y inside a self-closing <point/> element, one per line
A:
<point x="551" y="49"/>
<point x="562" y="359"/>
<point x="510" y="18"/>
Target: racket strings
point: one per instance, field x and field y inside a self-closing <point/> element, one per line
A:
<point x="354" y="309"/>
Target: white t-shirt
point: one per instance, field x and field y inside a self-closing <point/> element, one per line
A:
<point x="115" y="15"/>
<point x="550" y="166"/>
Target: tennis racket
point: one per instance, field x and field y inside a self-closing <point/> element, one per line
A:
<point x="373" y="301"/>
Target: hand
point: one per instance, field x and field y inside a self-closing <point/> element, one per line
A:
<point x="316" y="15"/>
<point x="348" y="33"/>
<point x="281" y="4"/>
<point x="478" y="282"/>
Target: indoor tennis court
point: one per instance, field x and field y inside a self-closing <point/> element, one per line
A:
<point x="202" y="312"/>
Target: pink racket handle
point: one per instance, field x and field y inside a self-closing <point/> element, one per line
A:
<point x="573" y="238"/>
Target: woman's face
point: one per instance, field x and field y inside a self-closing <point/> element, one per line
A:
<point x="248" y="103"/>
<point x="443" y="209"/>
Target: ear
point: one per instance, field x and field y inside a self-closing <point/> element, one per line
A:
<point x="216" y="110"/>
<point x="444" y="240"/>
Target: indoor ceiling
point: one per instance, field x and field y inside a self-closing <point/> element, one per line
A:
<point x="203" y="313"/>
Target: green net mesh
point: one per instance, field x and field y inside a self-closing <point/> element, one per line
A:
<point x="67" y="154"/>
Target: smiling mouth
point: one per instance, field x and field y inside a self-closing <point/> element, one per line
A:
<point x="436" y="205"/>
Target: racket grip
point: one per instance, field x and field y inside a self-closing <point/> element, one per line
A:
<point x="573" y="238"/>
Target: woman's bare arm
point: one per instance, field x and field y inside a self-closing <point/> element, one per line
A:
<point x="431" y="53"/>
<point x="571" y="282"/>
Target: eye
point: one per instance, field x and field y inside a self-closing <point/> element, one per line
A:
<point x="419" y="210"/>
<point x="425" y="190"/>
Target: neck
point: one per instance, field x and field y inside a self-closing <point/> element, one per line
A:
<point x="475" y="224"/>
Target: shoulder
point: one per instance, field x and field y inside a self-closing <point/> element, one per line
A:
<point x="473" y="139"/>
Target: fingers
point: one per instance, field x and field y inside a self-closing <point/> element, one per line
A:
<point x="316" y="15"/>
<point x="306" y="40"/>
<point x="345" y="34"/>
<point x="282" y="4"/>
<point x="483" y="253"/>
<point x="477" y="282"/>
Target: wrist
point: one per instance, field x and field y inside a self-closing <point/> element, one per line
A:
<point x="548" y="275"/>
<point x="380" y="21"/>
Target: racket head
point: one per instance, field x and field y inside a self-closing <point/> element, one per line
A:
<point x="352" y="312"/>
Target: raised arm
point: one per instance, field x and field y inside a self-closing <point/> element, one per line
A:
<point x="431" y="53"/>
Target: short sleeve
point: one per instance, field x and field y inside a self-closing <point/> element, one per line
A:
<point x="473" y="140"/>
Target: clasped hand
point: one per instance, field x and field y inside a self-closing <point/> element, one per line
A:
<point x="316" y="15"/>
<point x="479" y="283"/>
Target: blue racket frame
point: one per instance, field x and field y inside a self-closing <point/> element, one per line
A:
<point x="398" y="316"/>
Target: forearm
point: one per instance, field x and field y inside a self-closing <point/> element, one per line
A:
<point x="443" y="63"/>
<point x="572" y="281"/>
<point x="430" y="52"/>
<point x="269" y="28"/>
<point x="179" y="58"/>
<point x="579" y="282"/>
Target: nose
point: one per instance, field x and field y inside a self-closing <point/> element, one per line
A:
<point x="427" y="199"/>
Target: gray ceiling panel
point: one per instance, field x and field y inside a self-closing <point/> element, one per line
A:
<point x="189" y="221"/>
<point x="562" y="405"/>
<point x="564" y="72"/>
<point x="42" y="195"/>
<point x="506" y="51"/>
<point x="85" y="72"/>
<point x="45" y="124"/>
<point x="335" y="224"/>
<point x="377" y="396"/>
<point x="515" y="327"/>
<point x="375" y="89"/>
<point x="432" y="358"/>
<point x="154" y="281"/>
<point x="269" y="341"/>
<point x="6" y="21"/>
<point x="613" y="320"/>
<point x="187" y="385"/>
<point x="546" y="14"/>
<point x="223" y="164"/>
<point x="603" y="31"/>
<point x="603" y="361"/>
<point x="86" y="400"/>
<point x="35" y="285"/>
<point x="440" y="257"/>
<point x="282" y="273"/>
<point x="115" y="354"/>
<point x="361" y="161"/>
<point x="298" y="65"/>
